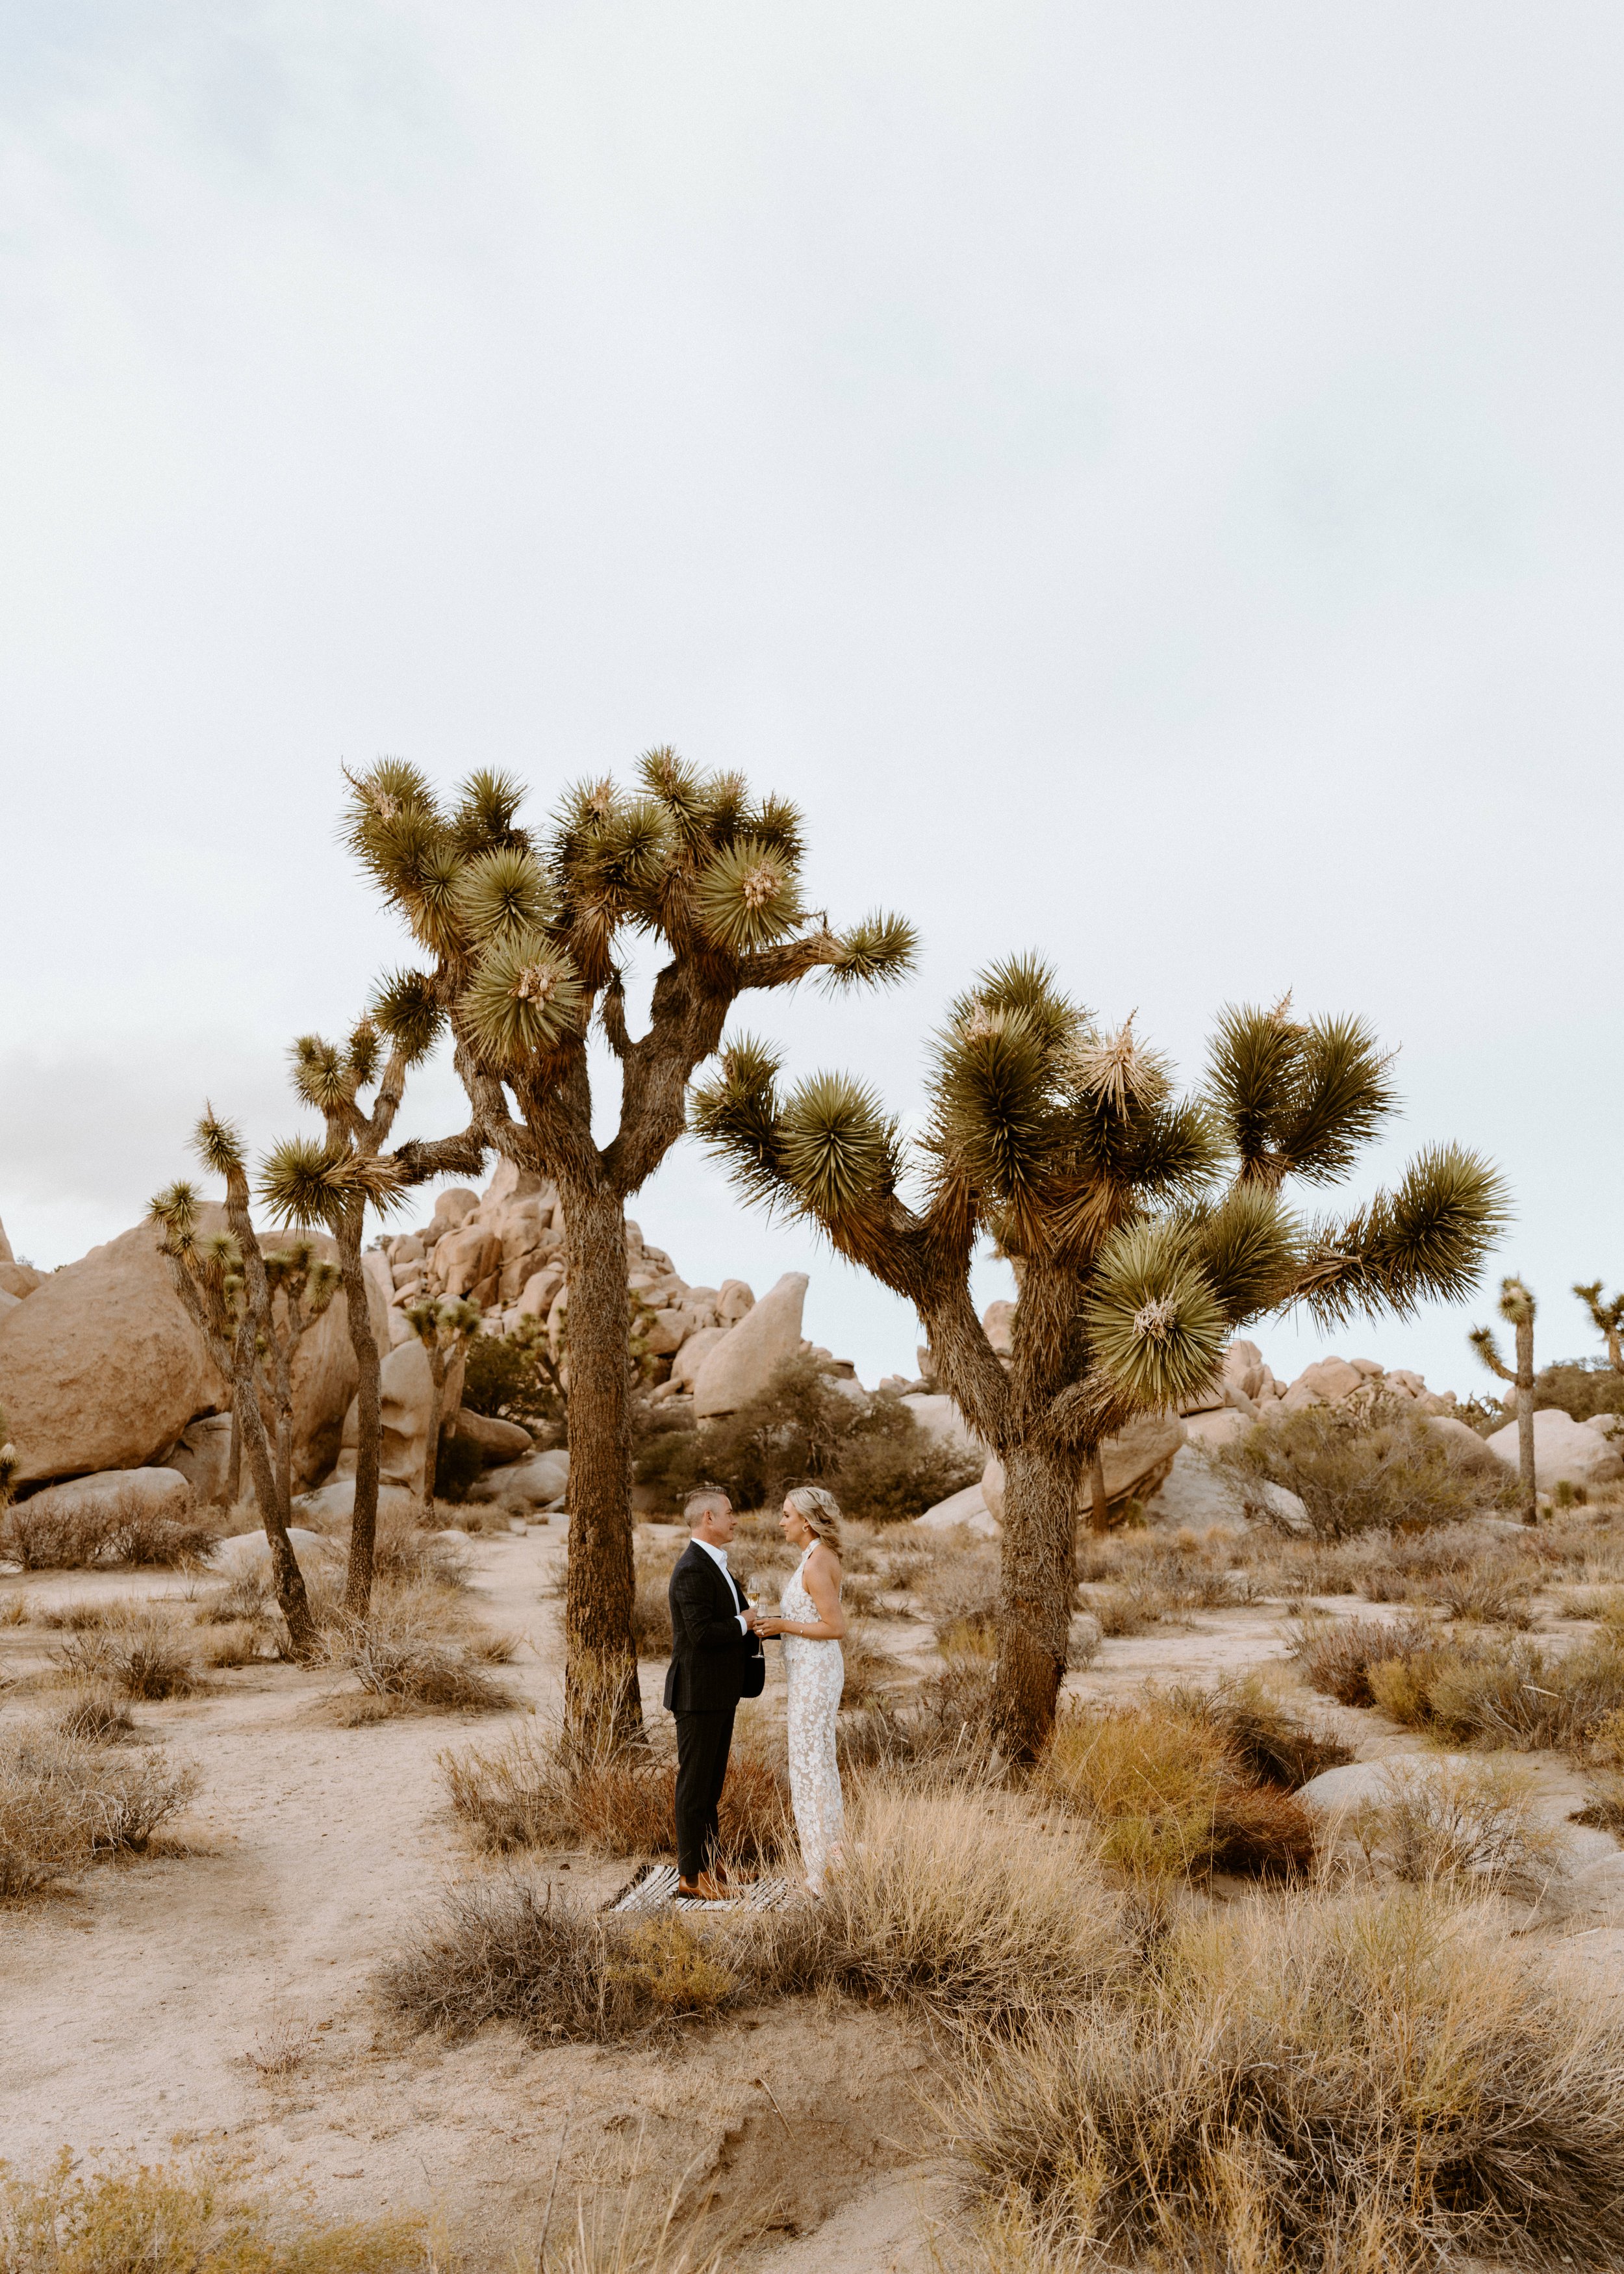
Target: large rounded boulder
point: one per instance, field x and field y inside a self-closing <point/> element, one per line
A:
<point x="101" y="1367"/>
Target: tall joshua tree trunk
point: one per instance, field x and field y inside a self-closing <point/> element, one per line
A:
<point x="369" y="1419"/>
<point x="601" y="1582"/>
<point x="1037" y="1582"/>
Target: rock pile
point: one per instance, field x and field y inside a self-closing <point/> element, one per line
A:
<point x="708" y="1350"/>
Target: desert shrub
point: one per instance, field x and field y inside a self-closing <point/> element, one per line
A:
<point x="951" y="1896"/>
<point x="945" y="1720"/>
<point x="507" y="1950"/>
<point x="97" y="1717"/>
<point x="959" y="1586"/>
<point x="65" y="1800"/>
<point x="1581" y="1387"/>
<point x="1365" y="2081"/>
<point x="166" y="2220"/>
<point x="544" y="1787"/>
<point x="1470" y="1822"/>
<point x="1512" y="1693"/>
<point x="889" y="1473"/>
<point x="1494" y="1592"/>
<point x="1336" y="1655"/>
<point x="140" y="1652"/>
<point x="43" y="1537"/>
<point x="1132" y="1609"/>
<point x="879" y="1464"/>
<point x="507" y="1377"/>
<point x="404" y="1552"/>
<point x="1270" y="1743"/>
<point x="1171" y="1796"/>
<point x="1365" y="1467"/>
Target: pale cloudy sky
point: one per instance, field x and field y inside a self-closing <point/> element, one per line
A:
<point x="1146" y="480"/>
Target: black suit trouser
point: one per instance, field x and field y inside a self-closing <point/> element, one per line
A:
<point x="703" y="1743"/>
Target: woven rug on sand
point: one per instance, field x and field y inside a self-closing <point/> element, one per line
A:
<point x="655" y="1889"/>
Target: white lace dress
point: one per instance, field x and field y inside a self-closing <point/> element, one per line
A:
<point x="815" y="1672"/>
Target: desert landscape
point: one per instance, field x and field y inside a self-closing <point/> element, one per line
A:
<point x="296" y="1923"/>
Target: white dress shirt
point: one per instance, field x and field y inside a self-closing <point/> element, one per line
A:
<point x="719" y="1557"/>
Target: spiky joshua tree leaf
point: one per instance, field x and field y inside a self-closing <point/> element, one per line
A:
<point x="1157" y="1329"/>
<point x="524" y="998"/>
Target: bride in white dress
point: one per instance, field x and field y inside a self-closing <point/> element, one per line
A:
<point x="811" y="1622"/>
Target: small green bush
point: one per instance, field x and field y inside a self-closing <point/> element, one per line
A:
<point x="506" y="1376"/>
<point x="1582" y="1387"/>
<point x="1366" y="1468"/>
<point x="878" y="1463"/>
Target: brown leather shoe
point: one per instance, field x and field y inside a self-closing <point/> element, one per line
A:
<point x="702" y="1890"/>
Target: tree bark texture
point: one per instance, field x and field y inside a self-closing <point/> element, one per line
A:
<point x="369" y="1420"/>
<point x="1099" y="1512"/>
<point x="602" y="1658"/>
<point x="1037" y="1582"/>
<point x="286" y="1576"/>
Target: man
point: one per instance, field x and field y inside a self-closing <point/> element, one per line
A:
<point x="716" y="1659"/>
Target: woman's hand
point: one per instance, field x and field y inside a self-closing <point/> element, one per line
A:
<point x="773" y="1626"/>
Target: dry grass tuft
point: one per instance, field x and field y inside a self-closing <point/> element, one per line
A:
<point x="1172" y="1793"/>
<point x="66" y="1800"/>
<point x="507" y="1950"/>
<point x="1336" y="1655"/>
<point x="1471" y="1823"/>
<point x="945" y="1723"/>
<point x="1362" y="2082"/>
<point x="97" y="1717"/>
<point x="954" y="1897"/>
<point x="1489" y="1692"/>
<point x="138" y="1650"/>
<point x="164" y="2219"/>
<point x="545" y="1787"/>
<point x="419" y="1649"/>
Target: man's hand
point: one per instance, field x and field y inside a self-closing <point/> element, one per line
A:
<point x="752" y="1620"/>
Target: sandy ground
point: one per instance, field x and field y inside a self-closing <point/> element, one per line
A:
<point x="133" y="2008"/>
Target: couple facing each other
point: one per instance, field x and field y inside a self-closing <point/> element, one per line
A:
<point x="717" y="1659"/>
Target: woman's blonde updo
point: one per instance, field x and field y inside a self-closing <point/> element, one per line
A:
<point x="819" y="1511"/>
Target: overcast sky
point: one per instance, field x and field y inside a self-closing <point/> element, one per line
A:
<point x="1146" y="480"/>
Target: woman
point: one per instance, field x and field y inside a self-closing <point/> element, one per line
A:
<point x="811" y="1622"/>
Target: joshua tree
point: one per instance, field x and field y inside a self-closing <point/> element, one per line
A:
<point x="445" y="1329"/>
<point x="1144" y="1229"/>
<point x="1609" y="1318"/>
<point x="1516" y="1307"/>
<point x="331" y="1183"/>
<point x="527" y="935"/>
<point x="224" y="1284"/>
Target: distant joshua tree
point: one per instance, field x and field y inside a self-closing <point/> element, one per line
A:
<point x="1516" y="1307"/>
<point x="527" y="933"/>
<point x="1144" y="1229"/>
<point x="229" y="1286"/>
<point x="331" y="1183"/>
<point x="1608" y="1315"/>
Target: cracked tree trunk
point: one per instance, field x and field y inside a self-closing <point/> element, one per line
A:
<point x="369" y="1428"/>
<point x="1038" y="1581"/>
<point x="601" y="1691"/>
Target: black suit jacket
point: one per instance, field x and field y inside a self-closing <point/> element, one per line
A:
<point x="713" y="1662"/>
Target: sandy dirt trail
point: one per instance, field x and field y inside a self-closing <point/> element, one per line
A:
<point x="131" y="2009"/>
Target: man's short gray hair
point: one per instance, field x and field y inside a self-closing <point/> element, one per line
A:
<point x="698" y="1503"/>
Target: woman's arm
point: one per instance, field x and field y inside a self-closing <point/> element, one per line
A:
<point x="822" y="1582"/>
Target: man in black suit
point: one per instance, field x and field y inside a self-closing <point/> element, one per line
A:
<point x="716" y="1659"/>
